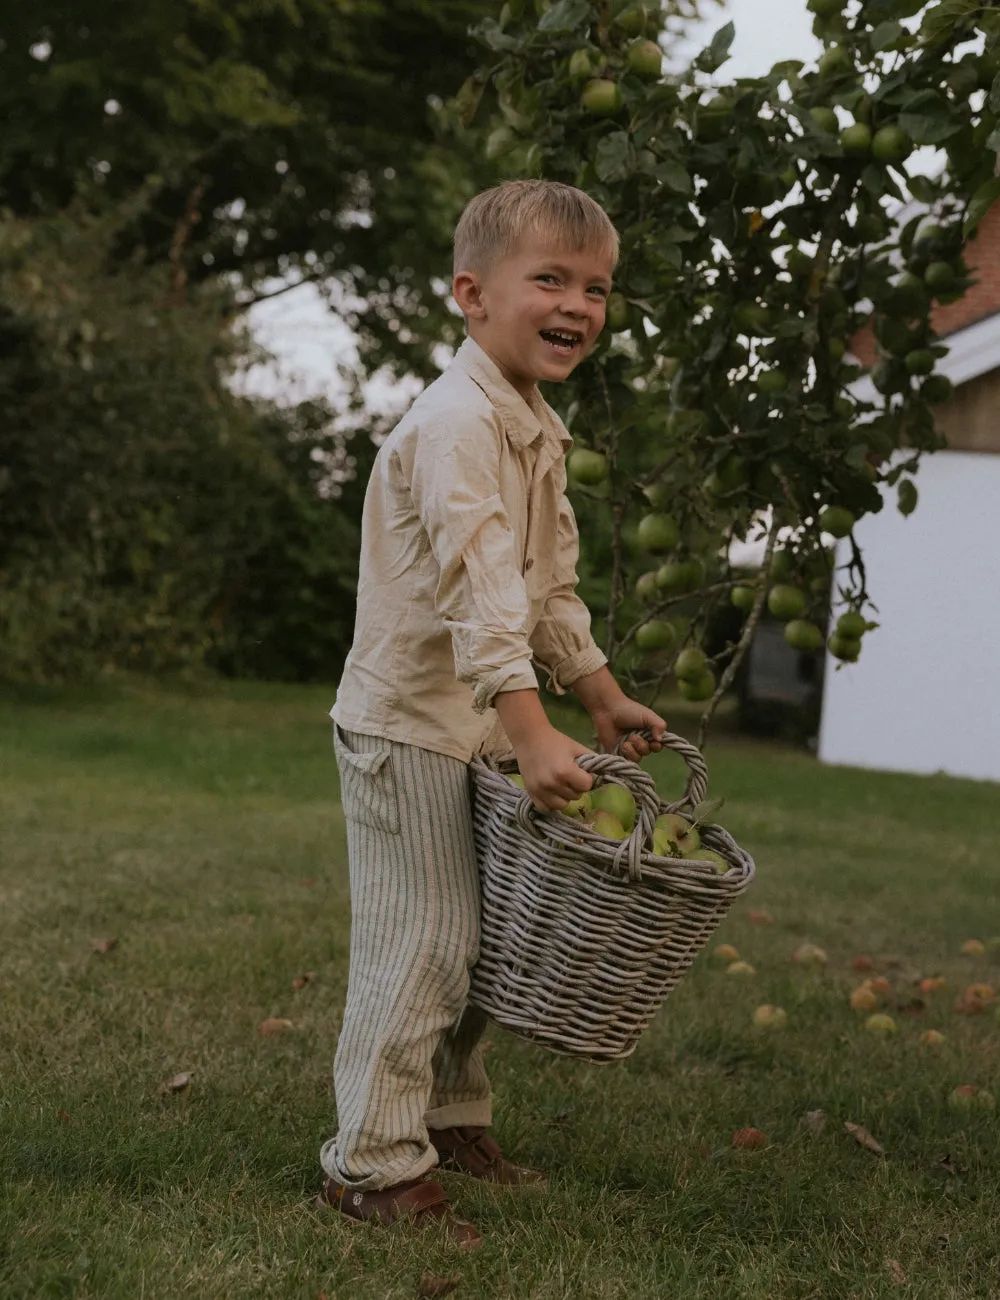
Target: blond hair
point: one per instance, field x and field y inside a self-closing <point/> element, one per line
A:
<point x="494" y="221"/>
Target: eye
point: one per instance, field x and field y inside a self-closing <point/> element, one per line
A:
<point x="548" y="277"/>
<point x="599" y="289"/>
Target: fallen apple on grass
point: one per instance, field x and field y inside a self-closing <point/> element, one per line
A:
<point x="967" y="1096"/>
<point x="931" y="1038"/>
<point x="864" y="998"/>
<point x="740" y="968"/>
<point x="931" y="984"/>
<point x="809" y="954"/>
<point x="757" y="916"/>
<point x="770" y="1017"/>
<point x="881" y="1025"/>
<point x="862" y="963"/>
<point x="749" y="1139"/>
<point x="725" y="952"/>
<point x="973" y="948"/>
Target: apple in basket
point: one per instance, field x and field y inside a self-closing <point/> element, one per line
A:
<point x="617" y="801"/>
<point x="675" y="837"/>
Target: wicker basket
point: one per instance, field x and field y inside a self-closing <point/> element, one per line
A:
<point x="583" y="937"/>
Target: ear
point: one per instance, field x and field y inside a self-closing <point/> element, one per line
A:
<point x="467" y="290"/>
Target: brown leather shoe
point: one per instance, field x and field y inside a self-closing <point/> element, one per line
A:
<point x="419" y="1203"/>
<point x="472" y="1151"/>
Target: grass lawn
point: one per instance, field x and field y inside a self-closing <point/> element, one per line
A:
<point x="199" y="827"/>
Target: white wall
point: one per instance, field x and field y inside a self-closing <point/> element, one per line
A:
<point x="924" y="695"/>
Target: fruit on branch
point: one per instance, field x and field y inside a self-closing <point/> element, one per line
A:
<point x="645" y="59"/>
<point x="803" y="635"/>
<point x="616" y="312"/>
<point x="836" y="520"/>
<point x="856" y="141"/>
<point x="836" y="63"/>
<point x="697" y="688"/>
<point x="587" y="467"/>
<point x="936" y="389"/>
<point x="826" y="120"/>
<point x="786" y="602"/>
<point x="581" y="65"/>
<point x="844" y="648"/>
<point x="891" y="146"/>
<point x="657" y="634"/>
<point x="742" y="597"/>
<point x="852" y="624"/>
<point x="601" y="97"/>
<point x="646" y="587"/>
<point x="658" y="533"/>
<point x="690" y="663"/>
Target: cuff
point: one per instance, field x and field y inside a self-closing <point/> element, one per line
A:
<point x="566" y="672"/>
<point x="518" y="676"/>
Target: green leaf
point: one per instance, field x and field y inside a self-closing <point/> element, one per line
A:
<point x="718" y="51"/>
<point x="929" y="118"/>
<point x="994" y="140"/>
<point x="995" y="95"/>
<point x="613" y="160"/>
<point x="981" y="202"/>
<point x="565" y="16"/>
<point x="856" y="455"/>
<point x="906" y="496"/>
<point x="922" y="188"/>
<point x="886" y="34"/>
<point x="941" y="19"/>
<point x="701" y="812"/>
<point x="675" y="176"/>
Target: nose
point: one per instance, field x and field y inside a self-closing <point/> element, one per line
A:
<point x="576" y="303"/>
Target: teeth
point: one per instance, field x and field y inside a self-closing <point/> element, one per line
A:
<point x="562" y="338"/>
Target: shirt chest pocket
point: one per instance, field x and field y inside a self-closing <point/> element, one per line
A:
<point x="368" y="789"/>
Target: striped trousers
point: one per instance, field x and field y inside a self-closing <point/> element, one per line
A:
<point x="407" y="1057"/>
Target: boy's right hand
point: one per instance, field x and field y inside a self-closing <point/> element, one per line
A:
<point x="551" y="773"/>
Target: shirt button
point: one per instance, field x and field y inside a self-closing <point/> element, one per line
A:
<point x="528" y="564"/>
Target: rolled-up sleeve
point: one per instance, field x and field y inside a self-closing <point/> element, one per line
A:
<point x="562" y="641"/>
<point x="454" y="479"/>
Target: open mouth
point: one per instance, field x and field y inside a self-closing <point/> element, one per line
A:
<point x="565" y="342"/>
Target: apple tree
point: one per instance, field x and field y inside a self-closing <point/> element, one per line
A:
<point x="763" y="222"/>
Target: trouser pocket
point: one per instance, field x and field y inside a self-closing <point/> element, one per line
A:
<point x="368" y="788"/>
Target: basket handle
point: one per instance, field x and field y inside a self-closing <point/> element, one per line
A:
<point x="696" y="787"/>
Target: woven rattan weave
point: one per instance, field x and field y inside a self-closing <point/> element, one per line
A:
<point x="583" y="937"/>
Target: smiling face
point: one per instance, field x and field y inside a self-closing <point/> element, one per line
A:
<point x="538" y="312"/>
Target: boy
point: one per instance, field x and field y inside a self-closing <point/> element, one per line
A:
<point x="467" y="577"/>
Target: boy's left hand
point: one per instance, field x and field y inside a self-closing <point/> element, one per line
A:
<point x="616" y="719"/>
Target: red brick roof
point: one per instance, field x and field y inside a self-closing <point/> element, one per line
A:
<point x="982" y="256"/>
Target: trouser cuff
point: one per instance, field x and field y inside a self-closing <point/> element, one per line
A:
<point x="458" y="1114"/>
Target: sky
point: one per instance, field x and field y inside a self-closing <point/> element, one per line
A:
<point x="307" y="340"/>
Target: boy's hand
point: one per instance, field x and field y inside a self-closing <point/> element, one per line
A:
<point x="621" y="716"/>
<point x="551" y="774"/>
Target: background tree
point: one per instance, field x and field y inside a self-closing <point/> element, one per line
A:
<point x="758" y="234"/>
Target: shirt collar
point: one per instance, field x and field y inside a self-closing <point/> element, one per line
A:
<point x="522" y="422"/>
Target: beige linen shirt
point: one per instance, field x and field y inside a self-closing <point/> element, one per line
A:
<point x="468" y="566"/>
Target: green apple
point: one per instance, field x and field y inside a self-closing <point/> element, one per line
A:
<point x="679" y="831"/>
<point x="645" y="59"/>
<point x="786" y="602"/>
<point x="645" y="586"/>
<point x="852" y="624"/>
<point x="691" y="663"/>
<point x="740" y="968"/>
<point x="607" y="824"/>
<point x="856" y="140"/>
<point x="581" y="66"/>
<point x="891" y="146"/>
<point x="800" y="634"/>
<point x="836" y="520"/>
<point x="601" y="97"/>
<point x="881" y="1025"/>
<point x="844" y="648"/>
<point x="517" y="779"/>
<point x="617" y="801"/>
<point x="697" y="688"/>
<point x="579" y="807"/>
<point x="587" y="467"/>
<point x="658" y="533"/>
<point x="657" y="634"/>
<point x="742" y="597"/>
